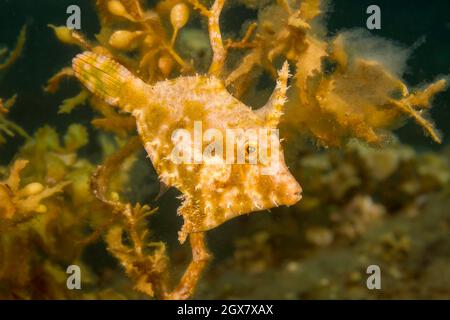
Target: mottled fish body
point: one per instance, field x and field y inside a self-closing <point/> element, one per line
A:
<point x="212" y="191"/>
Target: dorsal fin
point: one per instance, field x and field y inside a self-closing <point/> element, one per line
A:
<point x="273" y="110"/>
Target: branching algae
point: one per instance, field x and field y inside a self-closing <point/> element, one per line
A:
<point x="8" y="128"/>
<point x="137" y="76"/>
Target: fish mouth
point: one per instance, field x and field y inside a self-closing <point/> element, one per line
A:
<point x="294" y="195"/>
<point x="294" y="198"/>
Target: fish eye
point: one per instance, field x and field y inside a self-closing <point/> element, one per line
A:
<point x="251" y="148"/>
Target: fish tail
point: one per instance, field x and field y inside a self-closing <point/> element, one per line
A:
<point x="102" y="76"/>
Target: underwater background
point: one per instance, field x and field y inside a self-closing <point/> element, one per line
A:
<point x="305" y="251"/>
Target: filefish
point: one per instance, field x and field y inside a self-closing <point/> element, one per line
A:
<point x="214" y="189"/>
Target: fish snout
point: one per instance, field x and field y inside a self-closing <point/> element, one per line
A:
<point x="289" y="190"/>
<point x="293" y="193"/>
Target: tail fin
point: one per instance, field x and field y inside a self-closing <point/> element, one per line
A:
<point x="102" y="76"/>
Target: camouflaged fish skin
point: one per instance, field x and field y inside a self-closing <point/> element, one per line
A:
<point x="212" y="193"/>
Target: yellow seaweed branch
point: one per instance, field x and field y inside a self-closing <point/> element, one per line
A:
<point x="7" y="127"/>
<point x="15" y="54"/>
<point x="19" y="204"/>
